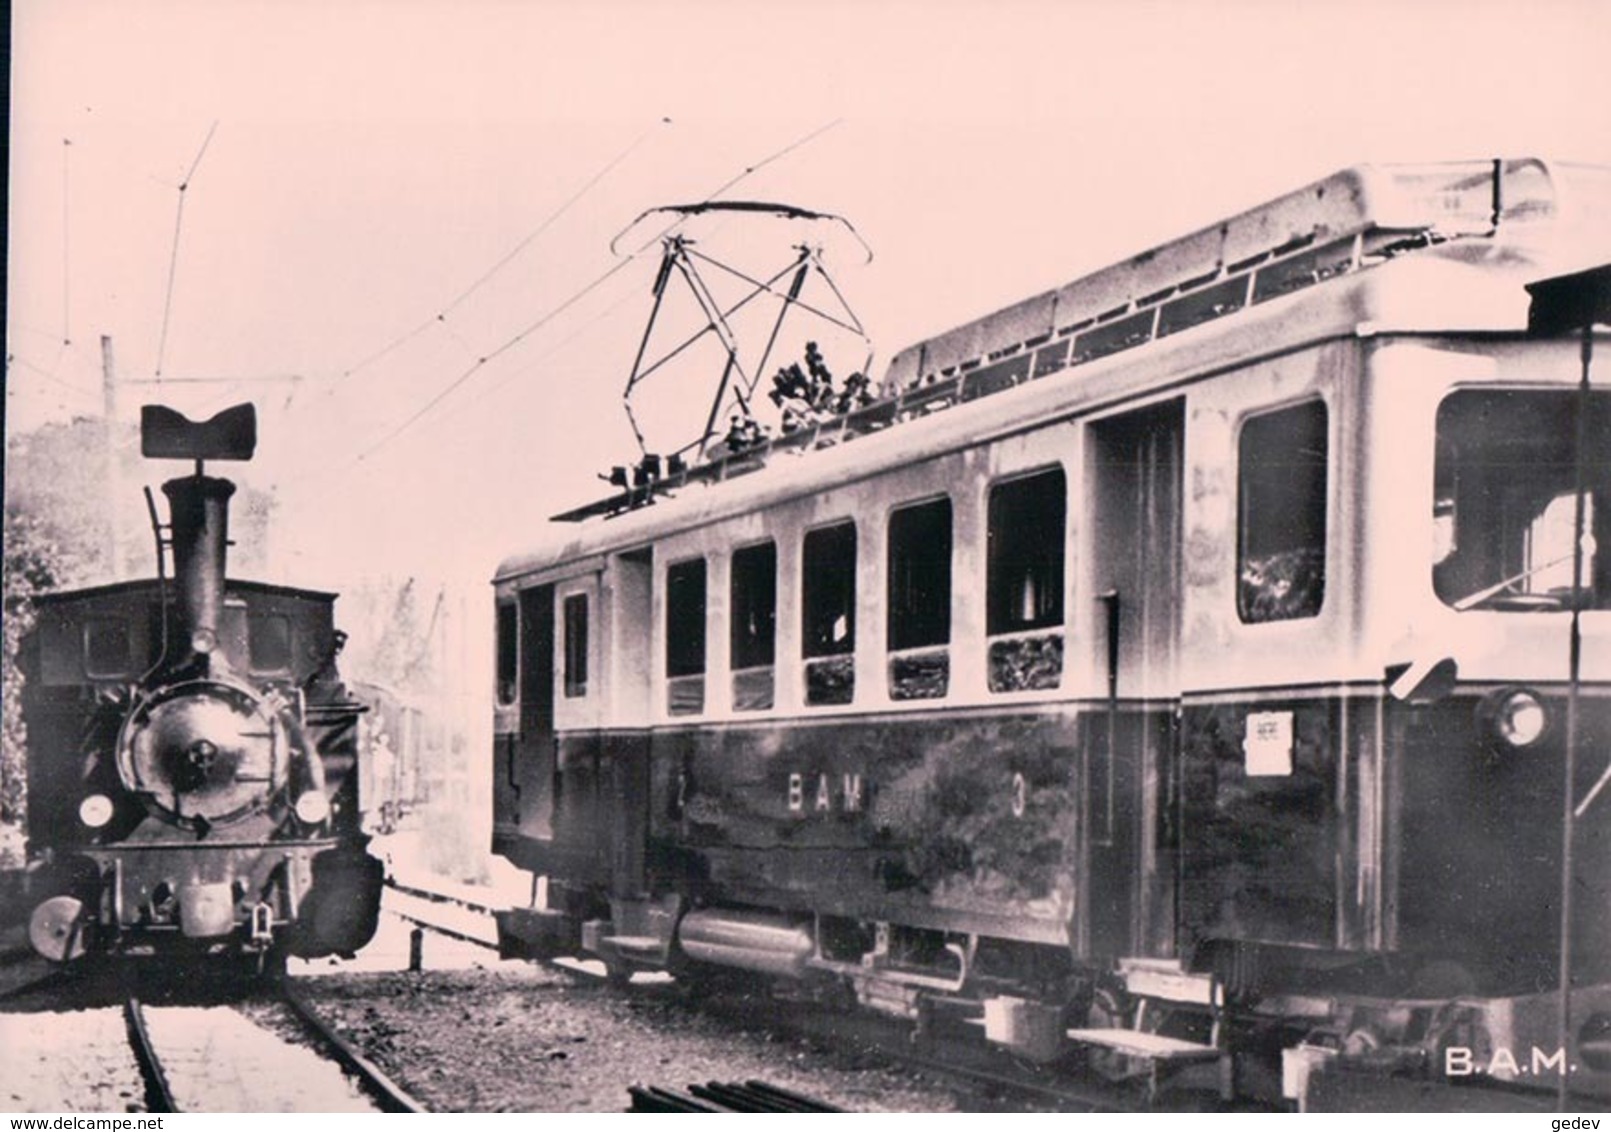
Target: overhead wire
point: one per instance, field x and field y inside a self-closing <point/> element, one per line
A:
<point x="503" y="383"/>
<point x="762" y="164"/>
<point x="441" y="316"/>
<point x="459" y="381"/>
<point x="173" y="256"/>
<point x="67" y="305"/>
<point x="482" y="361"/>
<point x="50" y="375"/>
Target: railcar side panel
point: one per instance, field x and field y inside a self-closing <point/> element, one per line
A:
<point x="1269" y="843"/>
<point x="945" y="820"/>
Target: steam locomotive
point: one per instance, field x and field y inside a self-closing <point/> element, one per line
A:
<point x="1203" y="667"/>
<point x="193" y="755"/>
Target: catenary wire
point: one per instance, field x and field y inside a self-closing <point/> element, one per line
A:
<point x="576" y="297"/>
<point x="508" y="257"/>
<point x="173" y="255"/>
<point x="67" y="292"/>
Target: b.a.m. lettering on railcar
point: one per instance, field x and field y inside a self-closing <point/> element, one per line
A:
<point x="825" y="793"/>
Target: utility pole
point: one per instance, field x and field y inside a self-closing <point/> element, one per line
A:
<point x="114" y="494"/>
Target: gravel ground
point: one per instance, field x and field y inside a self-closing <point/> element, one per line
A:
<point x="525" y="1038"/>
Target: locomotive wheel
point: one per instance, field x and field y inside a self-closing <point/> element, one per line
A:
<point x="57" y="928"/>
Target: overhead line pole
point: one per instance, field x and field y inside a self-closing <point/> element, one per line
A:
<point x="114" y="543"/>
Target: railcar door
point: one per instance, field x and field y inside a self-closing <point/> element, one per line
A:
<point x="1135" y="469"/>
<point x="535" y="750"/>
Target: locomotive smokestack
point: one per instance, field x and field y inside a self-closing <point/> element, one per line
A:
<point x="198" y="506"/>
<point x="199" y="510"/>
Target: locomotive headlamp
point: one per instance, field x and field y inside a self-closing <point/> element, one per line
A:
<point x="1518" y="717"/>
<point x="95" y="811"/>
<point x="312" y="807"/>
<point x="203" y="640"/>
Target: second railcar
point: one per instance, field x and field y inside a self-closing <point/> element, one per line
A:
<point x="1186" y="647"/>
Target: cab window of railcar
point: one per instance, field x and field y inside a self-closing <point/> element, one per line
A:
<point x="106" y="647"/>
<point x="919" y="609"/>
<point x="752" y="614"/>
<point x="1504" y="505"/>
<point x="828" y="609"/>
<point x="1027" y="533"/>
<point x="576" y="645"/>
<point x="685" y="636"/>
<point x="508" y="651"/>
<point x="1281" y="517"/>
<point x="268" y="642"/>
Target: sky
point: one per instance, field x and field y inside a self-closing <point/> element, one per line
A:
<point x="338" y="209"/>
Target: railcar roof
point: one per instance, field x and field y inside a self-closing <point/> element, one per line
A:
<point x="1548" y="216"/>
<point x="137" y="585"/>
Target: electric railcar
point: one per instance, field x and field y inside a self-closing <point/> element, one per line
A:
<point x="1207" y="662"/>
<point x="193" y="754"/>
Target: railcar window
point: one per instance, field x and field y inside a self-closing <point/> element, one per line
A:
<point x="106" y="647"/>
<point x="753" y="625"/>
<point x="685" y="636"/>
<point x="828" y="607"/>
<point x="508" y="651"/>
<point x="919" y="607"/>
<point x="576" y="645"/>
<point x="920" y="575"/>
<point x="1281" y="520"/>
<point x="754" y="606"/>
<point x="268" y="642"/>
<point x="1024" y="572"/>
<point x="685" y="618"/>
<point x="1504" y="504"/>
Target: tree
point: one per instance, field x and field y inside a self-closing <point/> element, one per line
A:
<point x="59" y="532"/>
<point x="59" y="474"/>
<point x="404" y="653"/>
<point x="34" y="564"/>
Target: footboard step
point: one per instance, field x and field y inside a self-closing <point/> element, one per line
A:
<point x="1163" y="1056"/>
<point x="1153" y="1047"/>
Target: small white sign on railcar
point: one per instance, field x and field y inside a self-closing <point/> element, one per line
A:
<point x="1267" y="745"/>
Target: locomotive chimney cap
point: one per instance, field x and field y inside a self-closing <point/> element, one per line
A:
<point x="167" y="434"/>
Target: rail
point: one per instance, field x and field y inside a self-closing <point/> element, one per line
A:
<point x="737" y="1096"/>
<point x="425" y="922"/>
<point x="158" y="1093"/>
<point x="388" y="1094"/>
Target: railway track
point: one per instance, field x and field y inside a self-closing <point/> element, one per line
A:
<point x="452" y="915"/>
<point x="213" y="1059"/>
<point x="738" y="1096"/>
<point x="102" y="1054"/>
<point x="959" y="1057"/>
<point x="994" y="1078"/>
